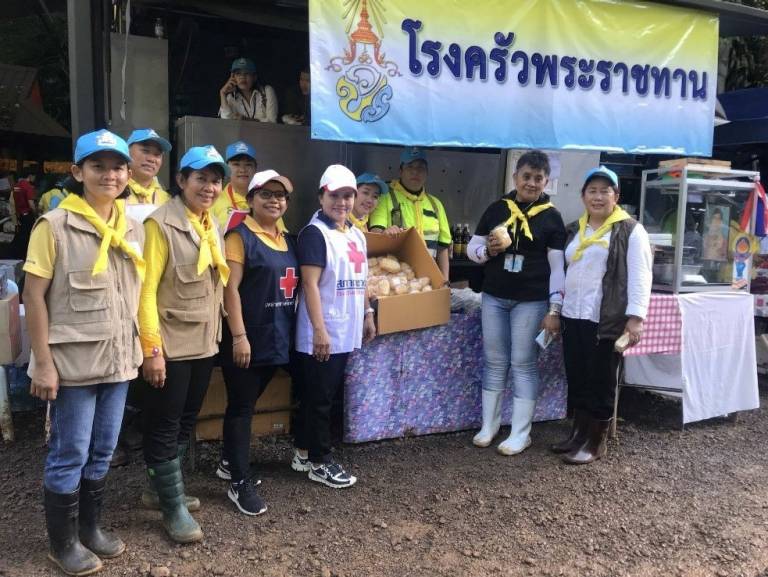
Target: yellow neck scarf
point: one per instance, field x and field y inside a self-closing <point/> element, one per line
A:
<point x="110" y="236"/>
<point x="417" y="200"/>
<point x="210" y="251"/>
<point x="361" y="223"/>
<point x="521" y="217"/>
<point x="146" y="194"/>
<point x="585" y="242"/>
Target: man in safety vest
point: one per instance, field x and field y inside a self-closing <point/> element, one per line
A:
<point x="409" y="205"/>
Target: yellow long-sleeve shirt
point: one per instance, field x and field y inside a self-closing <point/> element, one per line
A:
<point x="156" y="257"/>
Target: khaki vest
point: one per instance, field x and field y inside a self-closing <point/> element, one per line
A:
<point x="190" y="307"/>
<point x="92" y="320"/>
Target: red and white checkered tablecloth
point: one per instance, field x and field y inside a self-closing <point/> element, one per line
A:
<point x="662" y="330"/>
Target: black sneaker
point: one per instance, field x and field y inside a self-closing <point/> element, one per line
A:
<point x="223" y="472"/>
<point x="331" y="474"/>
<point x="245" y="498"/>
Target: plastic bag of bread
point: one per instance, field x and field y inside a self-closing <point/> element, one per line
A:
<point x="405" y="266"/>
<point x="373" y="261"/>
<point x="427" y="288"/>
<point x="374" y="271"/>
<point x="410" y="275"/>
<point x="424" y="280"/>
<point x="396" y="281"/>
<point x="401" y="289"/>
<point x="382" y="288"/>
<point x="414" y="286"/>
<point x="390" y="265"/>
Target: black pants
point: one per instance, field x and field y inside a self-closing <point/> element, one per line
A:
<point x="316" y="387"/>
<point x="590" y="366"/>
<point x="171" y="411"/>
<point x="244" y="387"/>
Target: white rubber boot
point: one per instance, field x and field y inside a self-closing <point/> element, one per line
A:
<point x="491" y="418"/>
<point x="519" y="436"/>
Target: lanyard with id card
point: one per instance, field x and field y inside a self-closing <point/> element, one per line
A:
<point x="513" y="262"/>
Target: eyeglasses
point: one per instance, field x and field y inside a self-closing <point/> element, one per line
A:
<point x="266" y="194"/>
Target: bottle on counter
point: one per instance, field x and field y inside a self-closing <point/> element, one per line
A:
<point x="465" y="238"/>
<point x="455" y="237"/>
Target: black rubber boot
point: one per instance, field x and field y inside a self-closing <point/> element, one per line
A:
<point x="578" y="434"/>
<point x="595" y="447"/>
<point x="168" y="484"/>
<point x="67" y="552"/>
<point x="92" y="536"/>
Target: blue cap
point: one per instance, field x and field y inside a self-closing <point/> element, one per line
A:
<point x="149" y="134"/>
<point x="199" y="157"/>
<point x="602" y="172"/>
<point x="100" y="141"/>
<point x="370" y="178"/>
<point x="245" y="64"/>
<point x="238" y="148"/>
<point x="411" y="154"/>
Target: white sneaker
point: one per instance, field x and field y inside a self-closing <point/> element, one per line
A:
<point x="300" y="463"/>
<point x="331" y="474"/>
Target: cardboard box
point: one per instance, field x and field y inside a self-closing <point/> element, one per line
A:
<point x="262" y="425"/>
<point x="276" y="397"/>
<point x="10" y="329"/>
<point x="272" y="413"/>
<point x="398" y="313"/>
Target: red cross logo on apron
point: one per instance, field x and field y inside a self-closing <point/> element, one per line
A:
<point x="288" y="282"/>
<point x="355" y="256"/>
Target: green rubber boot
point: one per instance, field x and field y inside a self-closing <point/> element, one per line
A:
<point x="149" y="496"/>
<point x="168" y="483"/>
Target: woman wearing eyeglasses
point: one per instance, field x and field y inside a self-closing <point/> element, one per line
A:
<point x="260" y="300"/>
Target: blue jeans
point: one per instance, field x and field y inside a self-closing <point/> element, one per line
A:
<point x="509" y="348"/>
<point x="85" y="424"/>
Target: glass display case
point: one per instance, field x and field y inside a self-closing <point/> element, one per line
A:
<point x="706" y="202"/>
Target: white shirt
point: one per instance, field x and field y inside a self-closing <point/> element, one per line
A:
<point x="261" y="108"/>
<point x="342" y="291"/>
<point x="584" y="277"/>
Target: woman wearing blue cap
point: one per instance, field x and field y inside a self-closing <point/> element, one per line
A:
<point x="607" y="292"/>
<point x="369" y="188"/>
<point x="244" y="98"/>
<point x="84" y="271"/>
<point x="241" y="159"/>
<point x="180" y="320"/>
<point x="147" y="149"/>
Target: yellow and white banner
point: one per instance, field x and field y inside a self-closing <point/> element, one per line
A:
<point x="556" y="74"/>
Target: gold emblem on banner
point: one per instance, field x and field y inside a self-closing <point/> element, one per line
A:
<point x="363" y="88"/>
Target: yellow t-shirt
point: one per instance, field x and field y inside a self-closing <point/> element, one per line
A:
<point x="233" y="243"/>
<point x="228" y="201"/>
<point x="41" y="251"/>
<point x="153" y="194"/>
<point x="361" y="223"/>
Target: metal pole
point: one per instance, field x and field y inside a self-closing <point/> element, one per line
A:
<point x="81" y="73"/>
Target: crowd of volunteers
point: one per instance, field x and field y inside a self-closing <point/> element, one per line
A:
<point x="132" y="286"/>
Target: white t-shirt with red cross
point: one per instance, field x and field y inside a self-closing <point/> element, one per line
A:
<point x="342" y="290"/>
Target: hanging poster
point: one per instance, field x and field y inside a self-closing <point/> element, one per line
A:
<point x="557" y="74"/>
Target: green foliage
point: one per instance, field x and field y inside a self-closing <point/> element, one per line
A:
<point x="748" y="57"/>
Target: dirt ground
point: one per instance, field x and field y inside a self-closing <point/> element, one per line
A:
<point x="664" y="502"/>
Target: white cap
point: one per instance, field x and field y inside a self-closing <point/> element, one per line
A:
<point x="337" y="177"/>
<point x="261" y="178"/>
